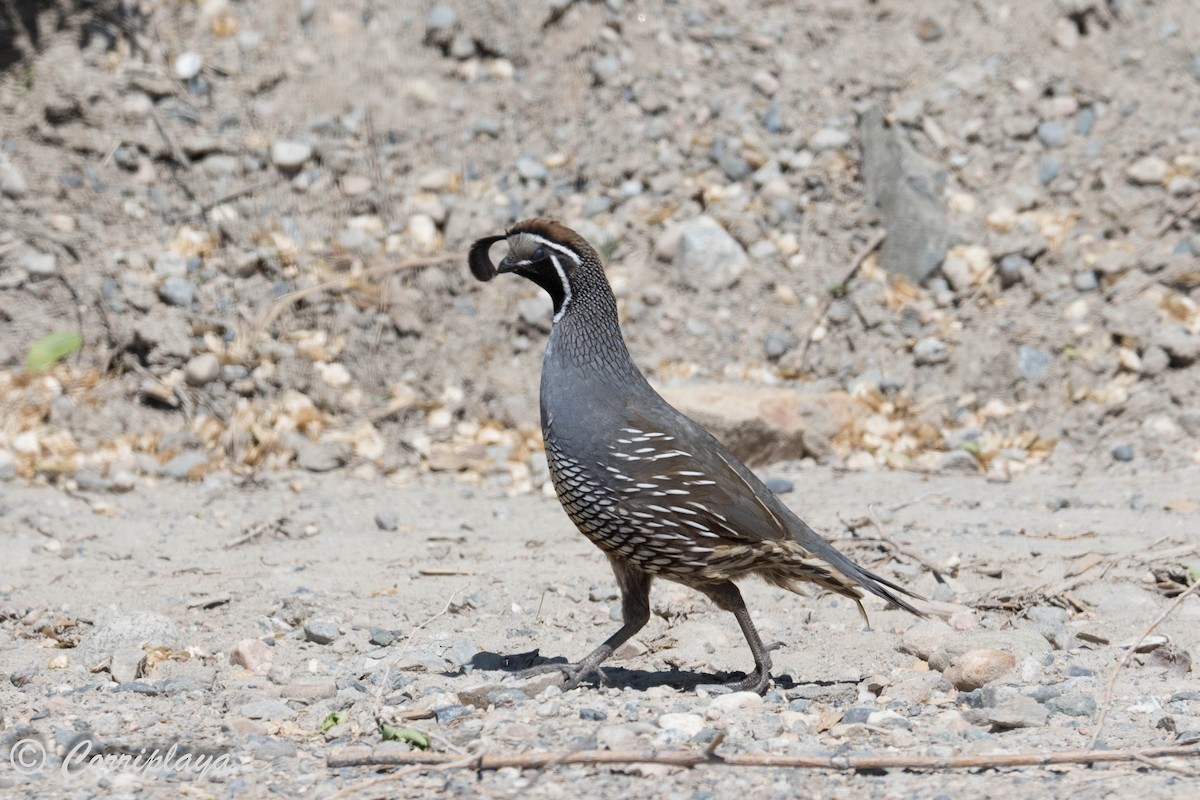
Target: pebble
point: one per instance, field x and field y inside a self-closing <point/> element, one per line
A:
<point x="958" y="461"/>
<point x="440" y="24"/>
<point x="707" y="256"/>
<point x="321" y="632"/>
<point x="1011" y="267"/>
<point x="252" y="654"/>
<point x="1032" y="362"/>
<point x="1085" y="120"/>
<point x="39" y="265"/>
<point x="1123" y="452"/>
<point x="1179" y="343"/>
<point x="1074" y="704"/>
<point x="12" y="182"/>
<point x="321" y="456"/>
<point x="202" y="369"/>
<point x="169" y="264"/>
<point x="1052" y="133"/>
<point x="688" y="724"/>
<point x="1048" y="169"/>
<point x="266" y="709"/>
<point x="930" y="350"/>
<point x="1148" y="171"/>
<point x="780" y="485"/>
<point x="958" y="273"/>
<point x="828" y="139"/>
<point x="180" y="467"/>
<point x="387" y="520"/>
<point x="1018" y="711"/>
<point x="290" y="156"/>
<point x="176" y="291"/>
<point x="735" y="700"/>
<point x="778" y="343"/>
<point x="1085" y="281"/>
<point x="121" y="631"/>
<point x="188" y="65"/>
<point x="592" y="714"/>
<point x="977" y="668"/>
<point x="531" y="169"/>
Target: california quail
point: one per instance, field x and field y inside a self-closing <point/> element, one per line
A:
<point x="647" y="485"/>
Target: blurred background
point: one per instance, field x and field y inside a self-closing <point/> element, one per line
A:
<point x="232" y="234"/>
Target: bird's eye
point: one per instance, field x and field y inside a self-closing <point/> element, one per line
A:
<point x="539" y="254"/>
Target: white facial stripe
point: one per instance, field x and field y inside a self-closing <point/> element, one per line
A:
<point x="562" y="276"/>
<point x="566" y="251"/>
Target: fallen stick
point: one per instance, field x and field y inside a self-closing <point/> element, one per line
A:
<point x="1112" y="680"/>
<point x="866" y="251"/>
<point x="364" y="757"/>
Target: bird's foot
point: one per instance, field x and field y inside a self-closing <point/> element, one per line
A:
<point x="756" y="682"/>
<point x="573" y="674"/>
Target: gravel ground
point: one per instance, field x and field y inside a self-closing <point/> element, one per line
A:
<point x="237" y="328"/>
<point x="280" y="605"/>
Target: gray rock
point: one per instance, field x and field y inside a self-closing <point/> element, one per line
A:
<point x="1053" y="133"/>
<point x="12" y="182"/>
<point x="181" y="466"/>
<point x="857" y="715"/>
<point x="1048" y="169"/>
<point x="780" y="485"/>
<point x="957" y="273"/>
<point x="1017" y="712"/>
<point x="440" y="25"/>
<point x="289" y="156"/>
<point x="1011" y="268"/>
<point x="222" y="166"/>
<point x="169" y="264"/>
<point x="828" y="139"/>
<point x="531" y="169"/>
<point x="930" y="350"/>
<point x="1085" y="281"/>
<point x="177" y="292"/>
<point x="1032" y="362"/>
<point x="387" y="520"/>
<point x="959" y="461"/>
<point x="382" y="637"/>
<point x="1179" y="343"/>
<point x="202" y="369"/>
<point x="321" y="456"/>
<point x="777" y="343"/>
<point x="321" y="632"/>
<point x="907" y="189"/>
<point x="266" y="709"/>
<point x="461" y="653"/>
<point x="707" y="256"/>
<point x="733" y="165"/>
<point x="8" y="466"/>
<point x="38" y="265"/>
<point x="117" y="632"/>
<point x="1085" y="120"/>
<point x="1073" y="704"/>
<point x="1123" y="452"/>
<point x="1148" y="171"/>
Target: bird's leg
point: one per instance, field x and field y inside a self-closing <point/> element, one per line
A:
<point x="727" y="597"/>
<point x="635" y="613"/>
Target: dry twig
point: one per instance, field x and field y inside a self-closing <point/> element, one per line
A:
<point x="1112" y="680"/>
<point x="855" y="265"/>
<point x="363" y="757"/>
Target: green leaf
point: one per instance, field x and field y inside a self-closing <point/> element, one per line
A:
<point x="970" y="447"/>
<point x="839" y="290"/>
<point x="333" y="719"/>
<point x="410" y="735"/>
<point x="51" y="348"/>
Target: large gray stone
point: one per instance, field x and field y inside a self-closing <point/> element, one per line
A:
<point x="117" y="632"/>
<point x="708" y="257"/>
<point x="907" y="189"/>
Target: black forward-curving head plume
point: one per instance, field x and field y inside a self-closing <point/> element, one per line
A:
<point x="546" y="252"/>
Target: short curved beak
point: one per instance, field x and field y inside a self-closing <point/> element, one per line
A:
<point x="507" y="265"/>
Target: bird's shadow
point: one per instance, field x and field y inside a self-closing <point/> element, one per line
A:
<point x="624" y="678"/>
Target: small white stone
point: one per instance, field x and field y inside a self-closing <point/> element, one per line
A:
<point x="288" y="155"/>
<point x="1148" y="171"/>
<point x="690" y="724"/>
<point x="188" y="65"/>
<point x="728" y="702"/>
<point x="202" y="369"/>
